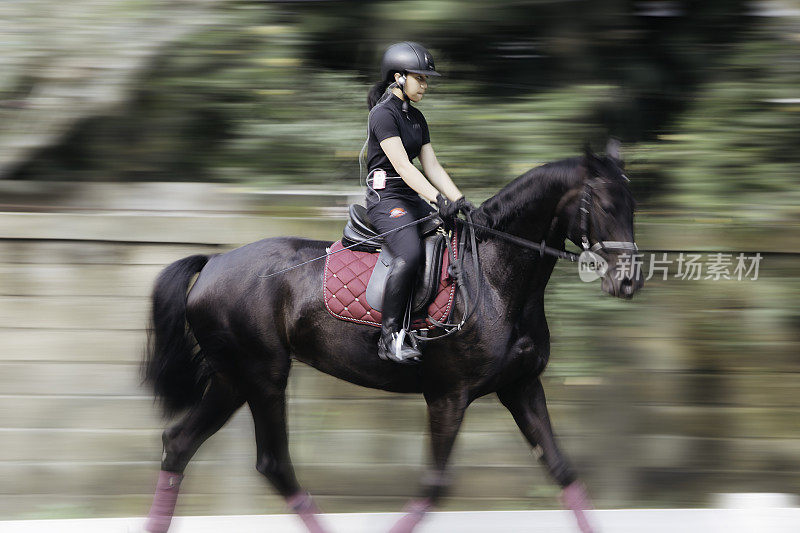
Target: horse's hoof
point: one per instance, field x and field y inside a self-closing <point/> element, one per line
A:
<point x="574" y="498"/>
<point x="312" y="523"/>
<point x="415" y="511"/>
<point x="157" y="525"/>
<point x="314" y="526"/>
<point x="302" y="504"/>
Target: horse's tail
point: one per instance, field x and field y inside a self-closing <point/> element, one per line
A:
<point x="171" y="365"/>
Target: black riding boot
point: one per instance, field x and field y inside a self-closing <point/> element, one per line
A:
<point x="394" y="345"/>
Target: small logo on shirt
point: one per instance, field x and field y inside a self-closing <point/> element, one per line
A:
<point x="397" y="212"/>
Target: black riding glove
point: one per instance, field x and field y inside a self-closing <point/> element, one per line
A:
<point x="447" y="209"/>
<point x="464" y="205"/>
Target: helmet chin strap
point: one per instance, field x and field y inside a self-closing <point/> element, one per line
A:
<point x="402" y="84"/>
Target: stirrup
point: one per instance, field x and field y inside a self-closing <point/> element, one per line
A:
<point x="398" y="351"/>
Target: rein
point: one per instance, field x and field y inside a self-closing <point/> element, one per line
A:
<point x="541" y="247"/>
<point x="469" y="226"/>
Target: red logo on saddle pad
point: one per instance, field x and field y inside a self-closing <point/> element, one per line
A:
<point x="397" y="212"/>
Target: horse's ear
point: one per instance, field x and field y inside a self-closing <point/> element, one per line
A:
<point x="612" y="149"/>
<point x="590" y="159"/>
<point x="614" y="153"/>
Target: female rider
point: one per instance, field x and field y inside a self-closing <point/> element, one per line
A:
<point x="396" y="189"/>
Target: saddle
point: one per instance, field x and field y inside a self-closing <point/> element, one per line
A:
<point x="354" y="278"/>
<point x="359" y="228"/>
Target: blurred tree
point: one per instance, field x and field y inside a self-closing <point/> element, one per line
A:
<point x="276" y="93"/>
<point x="734" y="152"/>
<point x="658" y="52"/>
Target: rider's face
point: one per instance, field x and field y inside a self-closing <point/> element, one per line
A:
<point x="416" y="85"/>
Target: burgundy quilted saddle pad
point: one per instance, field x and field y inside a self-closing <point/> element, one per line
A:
<point x="344" y="287"/>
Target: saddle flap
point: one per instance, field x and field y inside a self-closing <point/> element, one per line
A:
<point x="428" y="283"/>
<point x="427" y="280"/>
<point x="377" y="280"/>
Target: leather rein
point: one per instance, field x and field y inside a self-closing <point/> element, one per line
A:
<point x="469" y="226"/>
<point x="586" y="218"/>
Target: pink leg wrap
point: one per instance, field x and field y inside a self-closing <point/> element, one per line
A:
<point x="574" y="497"/>
<point x="415" y="511"/>
<point x="302" y="504"/>
<point x="164" y="502"/>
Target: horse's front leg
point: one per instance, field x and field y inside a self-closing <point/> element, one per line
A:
<point x="445" y="413"/>
<point x="526" y="402"/>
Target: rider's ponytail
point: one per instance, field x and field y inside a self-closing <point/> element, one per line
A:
<point x="376" y="93"/>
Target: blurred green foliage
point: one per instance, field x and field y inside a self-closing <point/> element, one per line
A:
<point x="734" y="151"/>
<point x="275" y="94"/>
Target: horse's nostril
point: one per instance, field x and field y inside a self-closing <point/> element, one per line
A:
<point x="626" y="286"/>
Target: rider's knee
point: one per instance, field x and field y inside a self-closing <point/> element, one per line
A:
<point x="402" y="266"/>
<point x="409" y="261"/>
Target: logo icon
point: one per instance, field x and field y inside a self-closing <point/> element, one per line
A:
<point x="591" y="266"/>
<point x="397" y="212"/>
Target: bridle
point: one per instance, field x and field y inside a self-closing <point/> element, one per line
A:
<point x="468" y="231"/>
<point x="587" y="216"/>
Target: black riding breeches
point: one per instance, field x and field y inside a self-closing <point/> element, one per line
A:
<point x="394" y="212"/>
<point x="405" y="245"/>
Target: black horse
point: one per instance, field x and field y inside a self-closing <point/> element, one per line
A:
<point x="248" y="329"/>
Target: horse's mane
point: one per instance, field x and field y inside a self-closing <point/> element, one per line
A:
<point x="529" y="187"/>
<point x="540" y="181"/>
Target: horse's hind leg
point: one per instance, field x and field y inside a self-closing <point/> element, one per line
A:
<point x="182" y="440"/>
<point x="267" y="400"/>
<point x="526" y="402"/>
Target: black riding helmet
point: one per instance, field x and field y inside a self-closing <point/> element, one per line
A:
<point x="406" y="57"/>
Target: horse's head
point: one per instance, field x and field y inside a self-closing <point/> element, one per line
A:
<point x="603" y="222"/>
